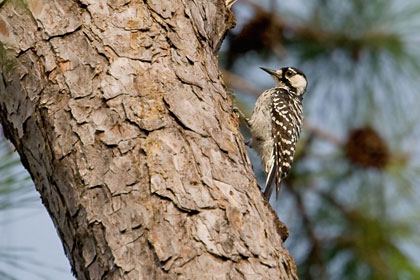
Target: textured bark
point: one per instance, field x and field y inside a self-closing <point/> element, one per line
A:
<point x="119" y="112"/>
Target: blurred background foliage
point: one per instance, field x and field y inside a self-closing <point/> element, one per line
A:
<point x="351" y="201"/>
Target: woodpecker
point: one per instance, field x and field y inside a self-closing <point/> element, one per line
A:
<point x="276" y="123"/>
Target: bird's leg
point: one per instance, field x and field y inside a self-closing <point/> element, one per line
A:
<point x="241" y="115"/>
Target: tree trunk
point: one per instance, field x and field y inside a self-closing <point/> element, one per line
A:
<point x="119" y="112"/>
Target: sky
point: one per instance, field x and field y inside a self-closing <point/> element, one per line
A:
<point x="30" y="248"/>
<point x="30" y="236"/>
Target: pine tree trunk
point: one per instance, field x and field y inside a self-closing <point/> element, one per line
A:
<point x="119" y="112"/>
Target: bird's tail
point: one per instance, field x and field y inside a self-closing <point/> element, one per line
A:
<point x="271" y="182"/>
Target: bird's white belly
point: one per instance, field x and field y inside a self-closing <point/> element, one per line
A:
<point x="261" y="130"/>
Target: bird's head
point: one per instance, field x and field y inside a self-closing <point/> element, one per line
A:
<point x="289" y="77"/>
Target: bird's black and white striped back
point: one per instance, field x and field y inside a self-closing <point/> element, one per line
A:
<point x="286" y="117"/>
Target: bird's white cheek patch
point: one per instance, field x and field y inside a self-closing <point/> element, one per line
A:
<point x="298" y="82"/>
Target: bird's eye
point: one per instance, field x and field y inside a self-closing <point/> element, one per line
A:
<point x="289" y="73"/>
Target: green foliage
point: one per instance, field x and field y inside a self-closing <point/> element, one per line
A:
<point x="355" y="177"/>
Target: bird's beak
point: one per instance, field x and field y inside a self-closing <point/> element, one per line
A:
<point x="269" y="71"/>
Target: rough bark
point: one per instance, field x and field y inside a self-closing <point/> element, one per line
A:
<point x="118" y="111"/>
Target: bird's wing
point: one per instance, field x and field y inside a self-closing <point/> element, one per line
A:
<point x="279" y="126"/>
<point x="278" y="158"/>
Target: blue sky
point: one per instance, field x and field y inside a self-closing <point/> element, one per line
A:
<point x="30" y="236"/>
